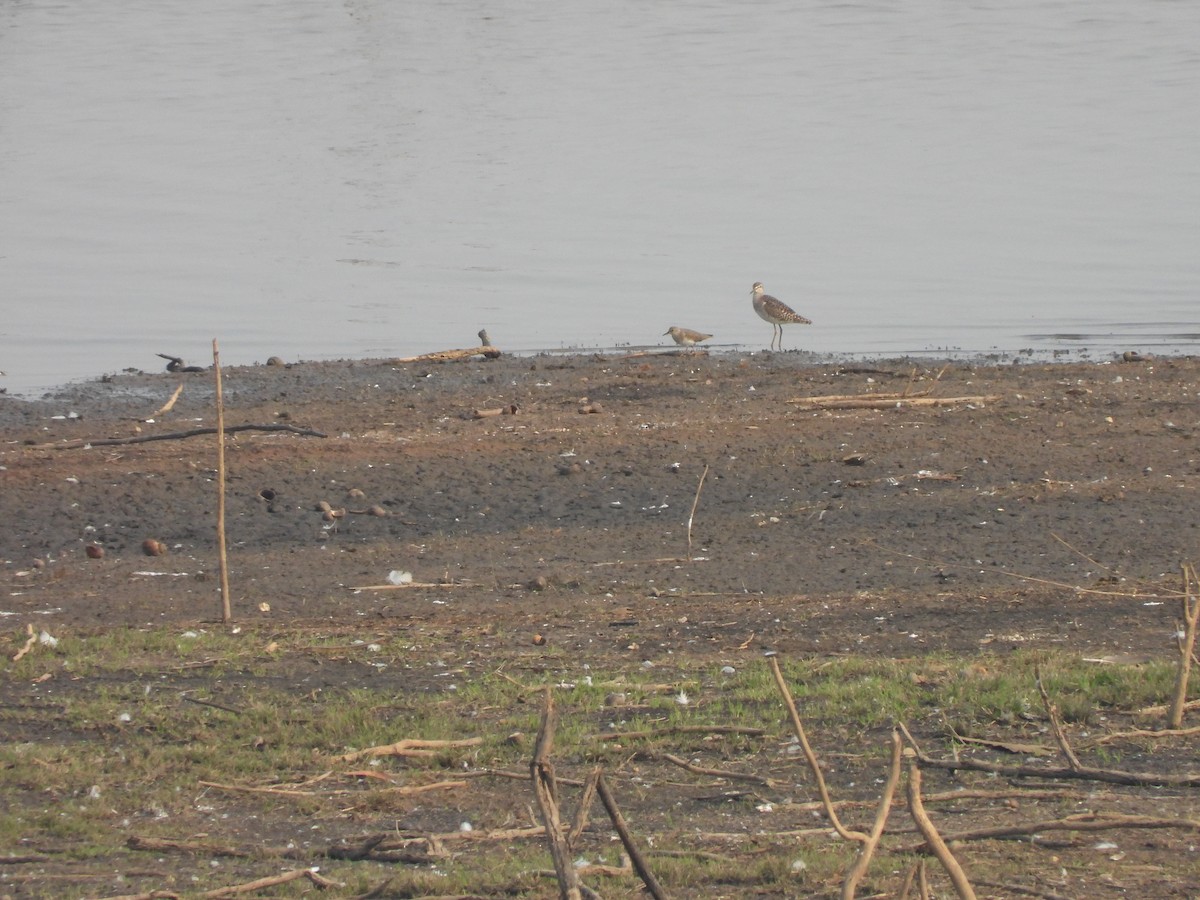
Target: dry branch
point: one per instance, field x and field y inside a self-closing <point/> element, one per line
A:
<point x="934" y="840"/>
<point x="408" y="747"/>
<point x="1187" y="643"/>
<point x="639" y="862"/>
<point x="487" y="351"/>
<point x="541" y="771"/>
<point x="1078" y="822"/>
<point x="1055" y="723"/>
<point x="891" y="402"/>
<point x="271" y="881"/>
<point x="1084" y="773"/>
<point x="813" y="764"/>
<point x="170" y="404"/>
<point x="717" y="773"/>
<point x="30" y="641"/>
<point x="681" y="729"/>
<point x="859" y="869"/>
<point x="175" y="436"/>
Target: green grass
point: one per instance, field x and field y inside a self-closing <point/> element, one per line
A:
<point x="114" y="743"/>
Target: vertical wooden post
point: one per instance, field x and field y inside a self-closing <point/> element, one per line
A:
<point x="226" y="610"/>
<point x="1187" y="644"/>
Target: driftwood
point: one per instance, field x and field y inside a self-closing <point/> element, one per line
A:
<point x="175" y="436"/>
<point x="30" y="641"/>
<point x="679" y="729"/>
<point x="175" y="364"/>
<point x="170" y="404"/>
<point x="486" y="351"/>
<point x="887" y="402"/>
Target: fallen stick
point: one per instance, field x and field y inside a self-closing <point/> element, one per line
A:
<point x="1143" y="733"/>
<point x="1084" y="773"/>
<point x="175" y="436"/>
<point x="408" y="584"/>
<point x="28" y="643"/>
<point x="487" y="351"/>
<point x="408" y="747"/>
<point x="859" y="869"/>
<point x="510" y="410"/>
<point x="717" y="773"/>
<point x="170" y="404"/>
<point x="1055" y="724"/>
<point x="934" y="840"/>
<point x="1078" y="822"/>
<point x="618" y="820"/>
<point x="271" y="881"/>
<point x="680" y="729"/>
<point x="808" y="403"/>
<point x="813" y="764"/>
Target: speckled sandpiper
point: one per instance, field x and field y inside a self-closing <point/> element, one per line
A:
<point x="685" y="336"/>
<point x="776" y="312"/>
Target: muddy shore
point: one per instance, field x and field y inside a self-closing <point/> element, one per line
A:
<point x="1047" y="503"/>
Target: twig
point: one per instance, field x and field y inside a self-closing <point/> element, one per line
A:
<point x="813" y="764"/>
<point x="226" y="610"/>
<point x="681" y="729"/>
<point x="176" y="435"/>
<point x="1084" y="773"/>
<point x="271" y="881"/>
<point x="1187" y="643"/>
<point x="701" y="770"/>
<point x="408" y="747"/>
<point x="541" y="771"/>
<point x="1055" y="723"/>
<point x="692" y="514"/>
<point x="585" y="805"/>
<point x="170" y="404"/>
<point x="806" y="403"/>
<point x="1078" y="822"/>
<point x="934" y="840"/>
<point x="28" y="643"/>
<point x="1020" y="889"/>
<point x="639" y="862"/>
<point x="859" y="869"/>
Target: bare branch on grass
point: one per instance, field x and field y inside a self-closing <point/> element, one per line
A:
<point x="813" y="764"/>
<point x="541" y="771"/>
<point x="932" y="839"/>
<point x="859" y="869"/>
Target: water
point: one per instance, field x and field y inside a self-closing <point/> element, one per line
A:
<point x="319" y="180"/>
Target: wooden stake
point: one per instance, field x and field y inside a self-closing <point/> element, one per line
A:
<point x="226" y="609"/>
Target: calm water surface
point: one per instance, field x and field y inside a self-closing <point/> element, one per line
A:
<point x="370" y="178"/>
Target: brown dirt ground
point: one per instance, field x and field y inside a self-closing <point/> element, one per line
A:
<point x="1047" y="515"/>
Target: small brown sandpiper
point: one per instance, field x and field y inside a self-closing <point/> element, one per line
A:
<point x="685" y="336"/>
<point x="776" y="312"/>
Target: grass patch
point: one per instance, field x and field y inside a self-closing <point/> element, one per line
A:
<point x="131" y="724"/>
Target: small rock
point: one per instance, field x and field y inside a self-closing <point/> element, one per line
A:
<point x="355" y="493"/>
<point x="94" y="551"/>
